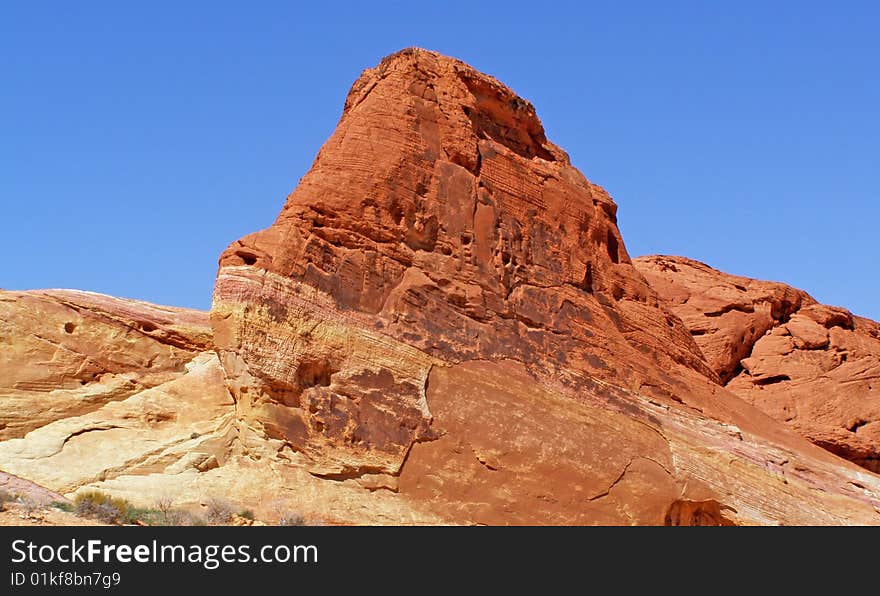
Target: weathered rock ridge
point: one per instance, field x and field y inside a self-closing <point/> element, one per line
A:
<point x="814" y="367"/>
<point x="442" y="326"/>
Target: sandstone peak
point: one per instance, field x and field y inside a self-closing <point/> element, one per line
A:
<point x="475" y="102"/>
<point x="439" y="223"/>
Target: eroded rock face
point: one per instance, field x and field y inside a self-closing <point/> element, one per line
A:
<point x="813" y="367"/>
<point x="444" y="312"/>
<point x="65" y="353"/>
<point x="183" y="424"/>
<point x="514" y="451"/>
<point x="437" y="225"/>
<point x="94" y="389"/>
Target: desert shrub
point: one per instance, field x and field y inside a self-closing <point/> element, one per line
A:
<point x="95" y="505"/>
<point x="62" y="505"/>
<point x="5" y="497"/>
<point x="103" y="512"/>
<point x="220" y="511"/>
<point x="106" y="508"/>
<point x="182" y="517"/>
<point x="291" y="519"/>
<point x="247" y="514"/>
<point x="146" y="516"/>
<point x="112" y="510"/>
<point x="95" y="508"/>
<point x="29" y="505"/>
<point x="165" y="505"/>
<point x="173" y="516"/>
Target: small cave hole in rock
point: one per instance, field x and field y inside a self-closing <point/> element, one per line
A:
<point x="772" y="380"/>
<point x="856" y="424"/>
<point x="728" y="375"/>
<point x="246" y="257"/>
<point x="314" y="374"/>
<point x="147" y="327"/>
<point x="612" y="246"/>
<point x="69" y="327"/>
<point x="397" y="212"/>
<point x="587" y="282"/>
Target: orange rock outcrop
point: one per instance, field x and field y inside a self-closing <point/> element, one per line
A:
<point x="813" y="367"/>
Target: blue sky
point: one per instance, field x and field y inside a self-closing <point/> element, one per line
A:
<point x="136" y="142"/>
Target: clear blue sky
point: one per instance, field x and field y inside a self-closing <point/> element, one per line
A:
<point x="136" y="142"/>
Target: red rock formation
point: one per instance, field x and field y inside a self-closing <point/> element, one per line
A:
<point x="443" y="326"/>
<point x="814" y="367"/>
<point x="437" y="216"/>
<point x="445" y="309"/>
